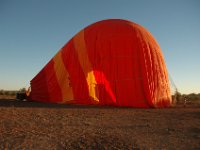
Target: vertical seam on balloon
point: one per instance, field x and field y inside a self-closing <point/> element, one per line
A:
<point x="164" y="73"/>
<point x="133" y="26"/>
<point x="80" y="47"/>
<point x="62" y="78"/>
<point x="153" y="75"/>
<point x="145" y="77"/>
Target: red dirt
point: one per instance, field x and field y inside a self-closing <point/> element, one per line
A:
<point x="31" y="125"/>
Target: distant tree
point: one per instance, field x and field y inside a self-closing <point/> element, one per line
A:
<point x="1" y="92"/>
<point x="12" y="93"/>
<point x="22" y="90"/>
<point x="6" y="92"/>
<point x="198" y="96"/>
<point x="178" y="96"/>
<point x="193" y="96"/>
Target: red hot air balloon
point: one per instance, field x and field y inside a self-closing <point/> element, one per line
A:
<point x="112" y="62"/>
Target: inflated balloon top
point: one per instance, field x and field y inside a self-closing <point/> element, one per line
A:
<point x="112" y="62"/>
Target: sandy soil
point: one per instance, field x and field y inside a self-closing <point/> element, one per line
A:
<point x="31" y="125"/>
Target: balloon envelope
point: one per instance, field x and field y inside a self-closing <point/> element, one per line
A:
<point x="111" y="62"/>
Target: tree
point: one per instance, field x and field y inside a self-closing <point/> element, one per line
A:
<point x="1" y="92"/>
<point x="22" y="90"/>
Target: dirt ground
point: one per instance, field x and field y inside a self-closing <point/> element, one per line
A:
<point x="32" y="125"/>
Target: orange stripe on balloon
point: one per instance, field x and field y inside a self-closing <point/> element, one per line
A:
<point x="63" y="78"/>
<point x="80" y="47"/>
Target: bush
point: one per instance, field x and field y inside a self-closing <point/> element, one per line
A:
<point x="8" y="93"/>
<point x="22" y="90"/>
<point x="1" y="92"/>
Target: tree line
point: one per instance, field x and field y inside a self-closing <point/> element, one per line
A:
<point x="11" y="93"/>
<point x="179" y="96"/>
<point x="191" y="96"/>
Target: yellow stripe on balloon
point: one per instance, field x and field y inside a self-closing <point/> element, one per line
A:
<point x="79" y="43"/>
<point x="63" y="78"/>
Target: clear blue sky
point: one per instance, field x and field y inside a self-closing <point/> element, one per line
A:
<point x="32" y="31"/>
